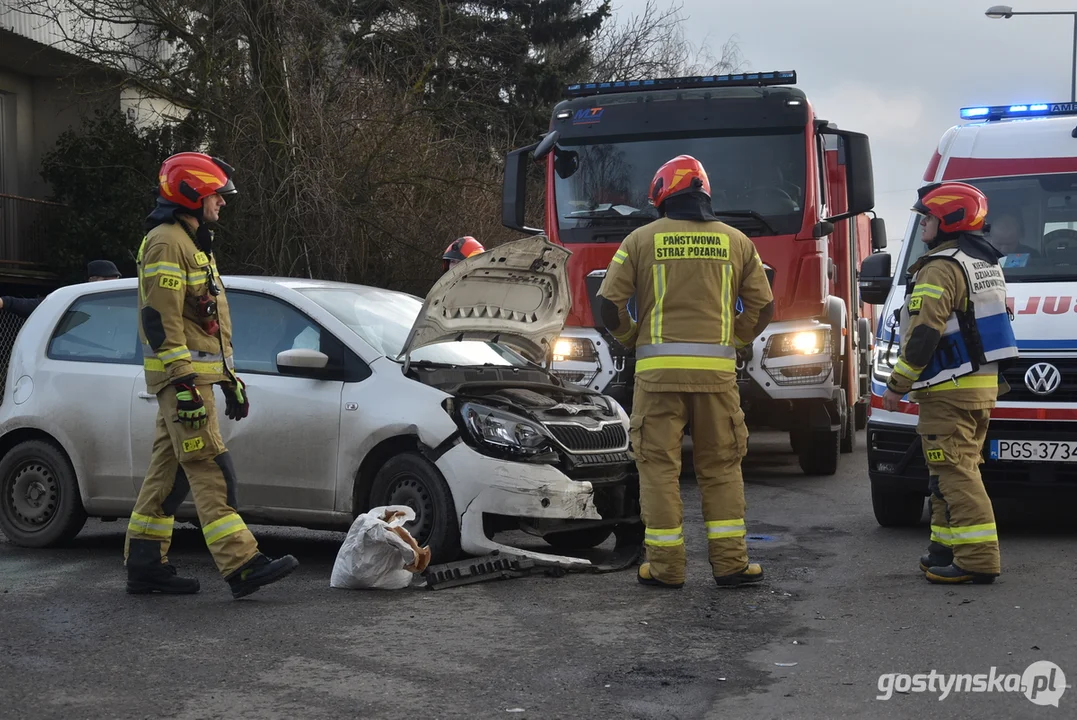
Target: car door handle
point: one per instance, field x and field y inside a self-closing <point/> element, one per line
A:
<point x="147" y="396"/>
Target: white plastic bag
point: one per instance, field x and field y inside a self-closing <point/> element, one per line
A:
<point x="375" y="556"/>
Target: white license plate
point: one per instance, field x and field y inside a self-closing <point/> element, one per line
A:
<point x="1034" y="450"/>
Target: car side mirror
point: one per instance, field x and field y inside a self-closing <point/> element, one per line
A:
<point x="301" y="362"/>
<point x="875" y="279"/>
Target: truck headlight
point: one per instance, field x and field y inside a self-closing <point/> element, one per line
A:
<point x="573" y="349"/>
<point x="503" y="430"/>
<point x="805" y="342"/>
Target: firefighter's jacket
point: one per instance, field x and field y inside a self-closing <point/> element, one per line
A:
<point x="686" y="276"/>
<point x="954" y="328"/>
<point x="185" y="329"/>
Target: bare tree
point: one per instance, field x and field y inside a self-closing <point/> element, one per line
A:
<point x="652" y="43"/>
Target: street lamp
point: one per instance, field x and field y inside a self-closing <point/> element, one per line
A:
<point x="1005" y="12"/>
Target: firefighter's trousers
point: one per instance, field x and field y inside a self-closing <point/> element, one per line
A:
<point x="720" y="441"/>
<point x="961" y="514"/>
<point x="189" y="460"/>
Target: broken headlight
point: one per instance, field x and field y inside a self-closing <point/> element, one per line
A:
<point x="503" y="430"/>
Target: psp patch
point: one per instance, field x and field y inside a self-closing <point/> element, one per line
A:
<point x="915" y="303"/>
<point x="170" y="283"/>
<point x="193" y="445"/>
<point x="936" y="456"/>
<point x="200" y="258"/>
<point x="691" y="246"/>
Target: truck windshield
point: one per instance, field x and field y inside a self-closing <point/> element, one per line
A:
<point x="1033" y="220"/>
<point x="757" y="178"/>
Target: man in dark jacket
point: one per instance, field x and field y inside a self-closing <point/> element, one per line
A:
<point x="96" y="270"/>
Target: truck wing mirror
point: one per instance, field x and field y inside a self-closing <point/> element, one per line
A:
<point x="875" y="279"/>
<point x="514" y="190"/>
<point x="547" y="144"/>
<point x="878" y="234"/>
<point x="854" y="153"/>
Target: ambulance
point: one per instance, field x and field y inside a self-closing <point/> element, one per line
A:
<point x="1024" y="158"/>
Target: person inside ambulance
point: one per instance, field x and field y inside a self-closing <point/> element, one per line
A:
<point x="955" y="336"/>
<point x="686" y="270"/>
<point x="460" y="249"/>
<point x="1006" y="232"/>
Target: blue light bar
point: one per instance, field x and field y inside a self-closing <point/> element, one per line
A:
<point x="1002" y="112"/>
<point x="764" y="79"/>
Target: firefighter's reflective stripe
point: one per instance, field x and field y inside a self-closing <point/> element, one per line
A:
<point x="197" y="278"/>
<point x="970" y="534"/>
<point x="934" y="292"/>
<point x="149" y="525"/>
<point x="660" y="537"/>
<point x="941" y="535"/>
<point x="626" y="337"/>
<point x="220" y="529"/>
<point x="163" y="268"/>
<point x="712" y="350"/>
<point x="727" y="304"/>
<point x="202" y="362"/>
<point x="659" y="272"/>
<point x="180" y="353"/>
<point x="964" y="382"/>
<point x="725" y="529"/>
<point x="686" y="362"/>
<point x="907" y="370"/>
<point x="619" y="257"/>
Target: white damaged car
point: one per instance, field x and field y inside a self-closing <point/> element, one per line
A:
<point x="360" y="397"/>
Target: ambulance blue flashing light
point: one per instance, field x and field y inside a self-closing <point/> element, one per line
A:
<point x="1002" y="112"/>
<point x="703" y="81"/>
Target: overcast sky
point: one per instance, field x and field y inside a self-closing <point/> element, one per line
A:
<point x="898" y="70"/>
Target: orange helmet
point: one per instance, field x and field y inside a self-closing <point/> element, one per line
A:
<point x="187" y="178"/>
<point x="959" y="206"/>
<point x="682" y="174"/>
<point x="461" y="249"/>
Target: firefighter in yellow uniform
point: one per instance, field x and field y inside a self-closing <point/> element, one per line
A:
<point x="186" y="332"/>
<point x="686" y="270"/>
<point x="955" y="331"/>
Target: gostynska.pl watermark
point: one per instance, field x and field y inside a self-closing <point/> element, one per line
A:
<point x="1042" y="683"/>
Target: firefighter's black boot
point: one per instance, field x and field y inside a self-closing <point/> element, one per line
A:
<point x="259" y="571"/>
<point x="751" y="574"/>
<point x="951" y="575"/>
<point x="938" y="555"/>
<point x="644" y="577"/>
<point x="147" y="574"/>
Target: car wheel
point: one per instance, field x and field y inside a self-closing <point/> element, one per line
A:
<point x="818" y="452"/>
<point x="410" y="479"/>
<point x="40" y="504"/>
<point x="578" y="539"/>
<point x="897" y="509"/>
<point x="861" y="415"/>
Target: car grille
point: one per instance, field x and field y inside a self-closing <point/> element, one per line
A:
<point x="1019" y="392"/>
<point x="577" y="438"/>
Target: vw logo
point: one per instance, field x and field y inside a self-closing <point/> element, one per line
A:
<point x="1043" y="378"/>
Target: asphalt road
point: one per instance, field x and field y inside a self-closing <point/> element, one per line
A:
<point x="843" y="604"/>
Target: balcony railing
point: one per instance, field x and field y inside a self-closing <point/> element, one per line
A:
<point x="24" y="224"/>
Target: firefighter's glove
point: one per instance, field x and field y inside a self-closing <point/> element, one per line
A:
<point x="744" y="354"/>
<point x="190" y="409"/>
<point x="236" y="402"/>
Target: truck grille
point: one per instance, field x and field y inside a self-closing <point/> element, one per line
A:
<point x="1019" y="392"/>
<point x="577" y="438"/>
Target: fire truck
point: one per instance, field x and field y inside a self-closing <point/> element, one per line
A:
<point x="801" y="188"/>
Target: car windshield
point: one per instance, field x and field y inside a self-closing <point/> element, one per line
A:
<point x="383" y="319"/>
<point x="1033" y="220"/>
<point x="603" y="184"/>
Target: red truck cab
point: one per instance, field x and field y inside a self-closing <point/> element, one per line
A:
<point x="796" y="185"/>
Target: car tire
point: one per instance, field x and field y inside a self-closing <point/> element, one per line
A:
<point x="410" y="479"/>
<point x="40" y="502"/>
<point x="818" y="452"/>
<point x="578" y="539"/>
<point x="860" y="415"/>
<point x="848" y="439"/>
<point x="897" y="509"/>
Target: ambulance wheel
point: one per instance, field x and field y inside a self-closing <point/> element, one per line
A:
<point x="818" y="452"/>
<point x="896" y="509"/>
<point x="860" y="412"/>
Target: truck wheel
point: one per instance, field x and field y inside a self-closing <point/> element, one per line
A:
<point x="896" y="509"/>
<point x="40" y="503"/>
<point x="578" y="539"/>
<point x="848" y="433"/>
<point x="818" y="452"/>
<point x="410" y="479"/>
<point x="860" y="414"/>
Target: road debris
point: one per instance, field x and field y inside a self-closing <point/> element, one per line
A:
<point x="792" y="664"/>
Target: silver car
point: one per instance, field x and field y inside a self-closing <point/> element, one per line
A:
<point x="359" y="397"/>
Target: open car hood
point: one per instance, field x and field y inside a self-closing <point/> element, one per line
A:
<point x="516" y="294"/>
